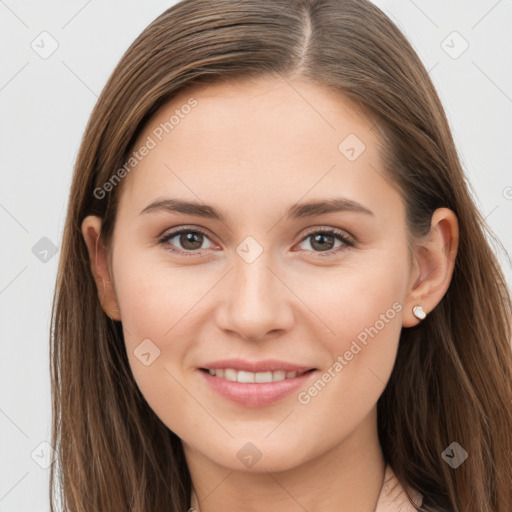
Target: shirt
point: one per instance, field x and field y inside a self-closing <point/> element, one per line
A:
<point x="392" y="497"/>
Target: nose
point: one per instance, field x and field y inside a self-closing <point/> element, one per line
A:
<point x="257" y="302"/>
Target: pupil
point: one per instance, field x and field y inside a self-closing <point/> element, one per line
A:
<point x="195" y="240"/>
<point x="188" y="238"/>
<point x="320" y="237"/>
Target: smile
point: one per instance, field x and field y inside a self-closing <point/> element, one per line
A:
<point x="255" y="389"/>
<point x="251" y="377"/>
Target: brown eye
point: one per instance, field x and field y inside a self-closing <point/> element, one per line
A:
<point x="185" y="241"/>
<point x="191" y="240"/>
<point x="324" y="241"/>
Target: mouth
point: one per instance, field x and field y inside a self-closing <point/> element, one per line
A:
<point x="247" y="377"/>
<point x="255" y="384"/>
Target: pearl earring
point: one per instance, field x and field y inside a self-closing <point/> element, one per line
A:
<point x="418" y="312"/>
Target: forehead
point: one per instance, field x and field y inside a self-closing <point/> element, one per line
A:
<point x="253" y="137"/>
<point x="267" y="106"/>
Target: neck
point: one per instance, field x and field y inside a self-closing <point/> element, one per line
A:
<point x="347" y="477"/>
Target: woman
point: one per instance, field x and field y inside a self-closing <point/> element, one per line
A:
<point x="209" y="350"/>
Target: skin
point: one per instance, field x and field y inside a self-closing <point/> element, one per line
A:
<point x="252" y="149"/>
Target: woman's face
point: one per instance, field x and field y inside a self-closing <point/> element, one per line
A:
<point x="261" y="282"/>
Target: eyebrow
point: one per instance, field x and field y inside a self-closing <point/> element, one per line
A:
<point x="296" y="211"/>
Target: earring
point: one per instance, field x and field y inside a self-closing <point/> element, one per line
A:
<point x="418" y="312"/>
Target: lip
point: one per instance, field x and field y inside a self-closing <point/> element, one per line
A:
<point x="256" y="394"/>
<point x="267" y="365"/>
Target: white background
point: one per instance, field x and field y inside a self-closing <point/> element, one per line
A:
<point x="45" y="104"/>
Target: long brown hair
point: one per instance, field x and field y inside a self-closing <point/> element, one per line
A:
<point x="452" y="381"/>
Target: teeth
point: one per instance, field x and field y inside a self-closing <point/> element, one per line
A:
<point x="263" y="377"/>
<point x="230" y="374"/>
<point x="251" y="377"/>
<point x="245" y="376"/>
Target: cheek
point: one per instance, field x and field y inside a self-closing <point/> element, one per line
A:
<point x="155" y="299"/>
<point x="362" y="296"/>
<point x="156" y="316"/>
<point x="364" y="330"/>
<point x="362" y="312"/>
<point x="362" y="355"/>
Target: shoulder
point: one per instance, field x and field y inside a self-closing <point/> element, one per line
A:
<point x="393" y="497"/>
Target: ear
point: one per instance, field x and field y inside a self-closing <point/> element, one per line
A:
<point x="433" y="264"/>
<point x="98" y="257"/>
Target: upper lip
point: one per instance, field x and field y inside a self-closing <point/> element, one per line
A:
<point x="267" y="365"/>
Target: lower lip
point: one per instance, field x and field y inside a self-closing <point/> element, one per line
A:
<point x="255" y="394"/>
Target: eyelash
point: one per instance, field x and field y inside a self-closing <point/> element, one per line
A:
<point x="348" y="242"/>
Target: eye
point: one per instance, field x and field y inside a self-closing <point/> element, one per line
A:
<point x="323" y="241"/>
<point x="190" y="240"/>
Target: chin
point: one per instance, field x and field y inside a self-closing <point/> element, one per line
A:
<point x="257" y="457"/>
